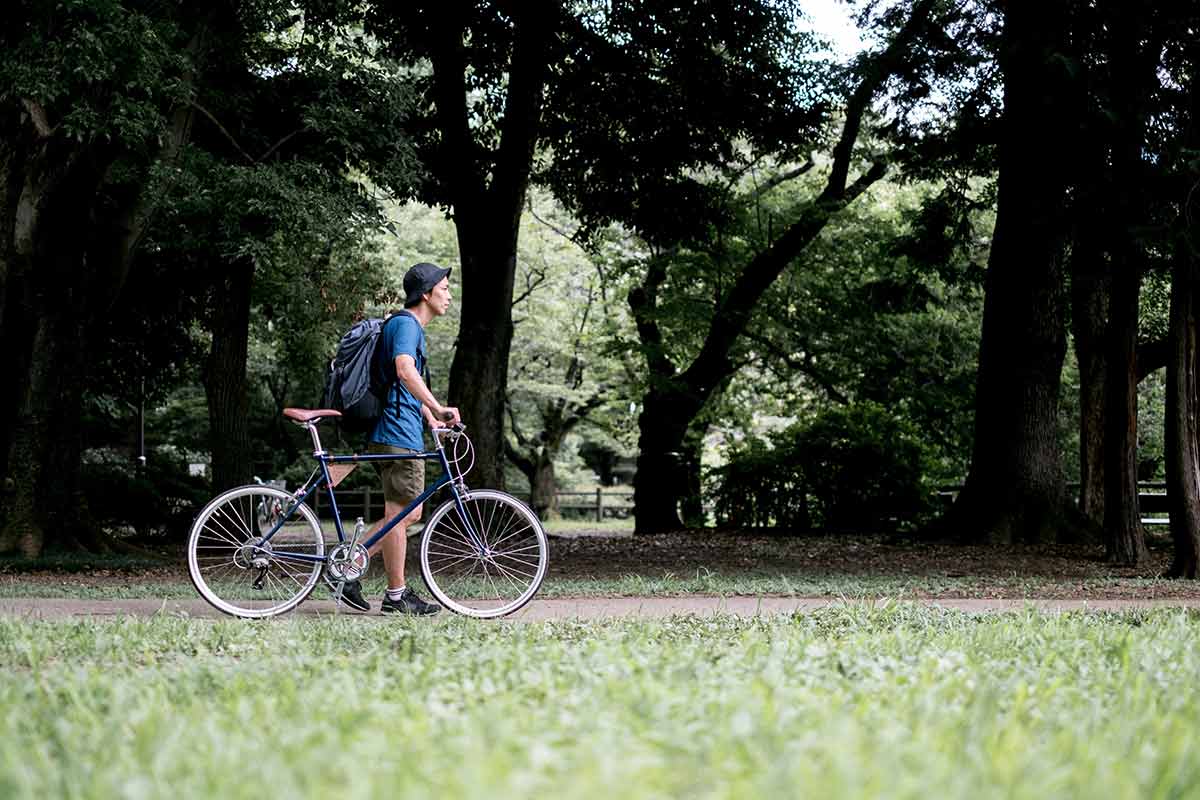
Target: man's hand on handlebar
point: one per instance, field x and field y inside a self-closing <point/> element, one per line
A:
<point x="447" y="416"/>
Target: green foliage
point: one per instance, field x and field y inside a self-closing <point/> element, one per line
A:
<point x="762" y="486"/>
<point x="851" y="468"/>
<point x="103" y="71"/>
<point x="294" y="149"/>
<point x="884" y="307"/>
<point x="863" y="465"/>
<point x="159" y="499"/>
<point x="659" y="104"/>
<point x="564" y="380"/>
<point x="888" y="701"/>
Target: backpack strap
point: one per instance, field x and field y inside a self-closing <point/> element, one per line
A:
<point x="425" y="375"/>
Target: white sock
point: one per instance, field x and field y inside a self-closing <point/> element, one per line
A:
<point x="394" y="594"/>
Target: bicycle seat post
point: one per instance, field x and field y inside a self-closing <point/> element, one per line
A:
<point x="316" y="439"/>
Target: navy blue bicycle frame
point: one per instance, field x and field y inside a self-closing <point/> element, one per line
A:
<point x="325" y="459"/>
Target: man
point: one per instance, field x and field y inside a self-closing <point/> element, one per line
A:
<point x="400" y="430"/>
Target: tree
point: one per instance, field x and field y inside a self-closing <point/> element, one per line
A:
<point x="274" y="207"/>
<point x="482" y="71"/>
<point x="883" y="309"/>
<point x="1015" y="489"/>
<point x="96" y="94"/>
<point x="1182" y="445"/>
<point x="677" y="394"/>
<point x="104" y="99"/>
<point x="561" y="377"/>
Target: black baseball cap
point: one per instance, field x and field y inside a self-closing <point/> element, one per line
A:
<point x="420" y="280"/>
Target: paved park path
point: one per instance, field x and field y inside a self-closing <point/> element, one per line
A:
<point x="584" y="608"/>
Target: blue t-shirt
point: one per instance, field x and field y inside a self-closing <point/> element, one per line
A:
<point x="401" y="424"/>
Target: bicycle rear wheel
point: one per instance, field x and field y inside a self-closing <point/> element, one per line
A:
<point x="235" y="571"/>
<point x="486" y="559"/>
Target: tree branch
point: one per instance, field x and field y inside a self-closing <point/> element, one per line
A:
<point x="281" y="143"/>
<point x="569" y="237"/>
<point x="38" y="116"/>
<point x="643" y="302"/>
<point x="776" y="180"/>
<point x="533" y="279"/>
<point x="249" y="158"/>
<point x="1151" y="356"/>
<point x="534" y="25"/>
<point x="733" y="314"/>
<point x="519" y="459"/>
<point x="522" y="440"/>
<point x="804" y="365"/>
<point x="581" y="412"/>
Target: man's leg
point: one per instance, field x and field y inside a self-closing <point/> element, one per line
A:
<point x="403" y="482"/>
<point x="395" y="544"/>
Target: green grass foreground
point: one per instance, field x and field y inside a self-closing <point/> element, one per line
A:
<point x="698" y="582"/>
<point x="889" y="700"/>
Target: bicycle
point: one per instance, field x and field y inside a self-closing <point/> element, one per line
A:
<point x="483" y="553"/>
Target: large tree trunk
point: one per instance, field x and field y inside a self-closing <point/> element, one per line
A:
<point x="660" y="481"/>
<point x="44" y="451"/>
<point x="1090" y="289"/>
<point x="1133" y="68"/>
<point x="479" y="371"/>
<point x="1124" y="542"/>
<point x="543" y="487"/>
<point x="225" y="379"/>
<point x="1182" y="445"/>
<point x="1015" y="489"/>
<point x="49" y="303"/>
<point x="487" y="217"/>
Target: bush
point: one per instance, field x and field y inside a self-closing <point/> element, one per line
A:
<point x="160" y="499"/>
<point x="852" y="468"/>
<point x="762" y="486"/>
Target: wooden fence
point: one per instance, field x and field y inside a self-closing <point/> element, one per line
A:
<point x="368" y="503"/>
<point x="618" y="503"/>
<point x="1152" y="500"/>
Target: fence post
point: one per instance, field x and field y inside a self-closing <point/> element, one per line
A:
<point x="599" y="505"/>
<point x="366" y="502"/>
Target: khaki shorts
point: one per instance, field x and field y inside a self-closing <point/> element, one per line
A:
<point x="403" y="479"/>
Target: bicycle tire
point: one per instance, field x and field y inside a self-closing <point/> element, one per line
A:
<point x="237" y="579"/>
<point x="492" y="583"/>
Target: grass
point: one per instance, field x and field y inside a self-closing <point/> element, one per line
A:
<point x="884" y="700"/>
<point x="568" y="527"/>
<point x="701" y="582"/>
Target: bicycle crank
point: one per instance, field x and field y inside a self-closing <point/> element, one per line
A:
<point x="347" y="562"/>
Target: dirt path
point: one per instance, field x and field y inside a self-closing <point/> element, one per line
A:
<point x="589" y="608"/>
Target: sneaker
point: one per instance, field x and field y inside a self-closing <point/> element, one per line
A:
<point x="352" y="595"/>
<point x="409" y="603"/>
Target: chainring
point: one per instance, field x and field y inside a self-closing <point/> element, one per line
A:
<point x="347" y="562"/>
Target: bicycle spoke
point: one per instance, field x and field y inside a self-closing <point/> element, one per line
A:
<point x="509" y="578"/>
<point x="448" y="561"/>
<point x="217" y="547"/>
<point x="462" y="533"/>
<point x="231" y="538"/>
<point x="500" y="578"/>
<point x="518" y="532"/>
<point x="514" y="567"/>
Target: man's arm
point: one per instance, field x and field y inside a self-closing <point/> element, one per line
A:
<point x="434" y="412"/>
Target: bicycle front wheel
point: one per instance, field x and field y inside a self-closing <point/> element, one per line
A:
<point x="238" y="572"/>
<point x="486" y="557"/>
